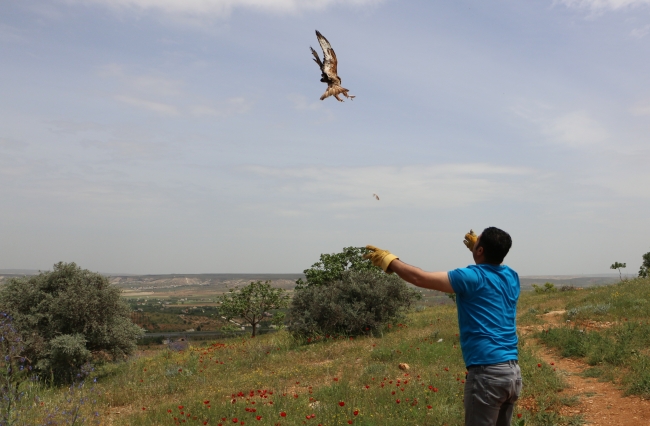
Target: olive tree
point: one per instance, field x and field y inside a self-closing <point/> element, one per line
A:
<point x="331" y="267"/>
<point x="67" y="317"/>
<point x="343" y="293"/>
<point x="252" y="302"/>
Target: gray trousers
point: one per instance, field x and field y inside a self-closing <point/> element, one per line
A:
<point x="490" y="394"/>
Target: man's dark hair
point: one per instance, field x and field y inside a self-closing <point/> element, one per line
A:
<point x="496" y="244"/>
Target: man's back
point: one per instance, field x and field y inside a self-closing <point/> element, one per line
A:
<point x="486" y="298"/>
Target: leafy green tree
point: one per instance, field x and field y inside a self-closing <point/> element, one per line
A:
<point x="14" y="370"/>
<point x="343" y="293"/>
<point x="252" y="302"/>
<point x="66" y="317"/>
<point x="644" y="270"/>
<point x="548" y="288"/>
<point x="617" y="265"/>
<point x="331" y="267"/>
<point x="361" y="302"/>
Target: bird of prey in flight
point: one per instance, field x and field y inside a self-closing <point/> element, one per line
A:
<point x="376" y="196"/>
<point x="328" y="70"/>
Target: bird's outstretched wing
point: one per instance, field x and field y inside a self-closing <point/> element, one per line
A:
<point x="376" y="196"/>
<point x="316" y="58"/>
<point x="329" y="58"/>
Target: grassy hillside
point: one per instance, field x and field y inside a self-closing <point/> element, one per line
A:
<point x="276" y="380"/>
<point x="608" y="327"/>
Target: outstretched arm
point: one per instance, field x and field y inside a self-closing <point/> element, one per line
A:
<point x="416" y="276"/>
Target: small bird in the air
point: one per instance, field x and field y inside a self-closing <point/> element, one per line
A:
<point x="376" y="196"/>
<point x="328" y="70"/>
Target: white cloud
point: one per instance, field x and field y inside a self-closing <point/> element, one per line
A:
<point x="576" y="129"/>
<point x="10" y="34"/>
<point x="641" y="109"/>
<point x="231" y="106"/>
<point x="149" y="84"/>
<point x="301" y="103"/>
<point x="203" y="8"/>
<point x="602" y="5"/>
<point x="640" y="32"/>
<point x="158" y="107"/>
<point x="438" y="186"/>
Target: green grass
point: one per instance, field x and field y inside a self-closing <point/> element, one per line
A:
<point x="608" y="327"/>
<point x="275" y="373"/>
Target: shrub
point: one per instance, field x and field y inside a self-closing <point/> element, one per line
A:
<point x="359" y="302"/>
<point x="14" y="369"/>
<point x="331" y="267"/>
<point x="67" y="315"/>
<point x="644" y="270"/>
<point x="548" y="288"/>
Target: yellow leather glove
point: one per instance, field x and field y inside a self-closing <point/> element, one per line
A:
<point x="470" y="239"/>
<point x="379" y="257"/>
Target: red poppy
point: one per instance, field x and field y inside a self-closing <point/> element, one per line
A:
<point x="341" y="403"/>
<point x="283" y="414"/>
<point x="397" y="401"/>
<point x="259" y="417"/>
<point x="356" y="412"/>
<point x="519" y="415"/>
<point x="429" y="407"/>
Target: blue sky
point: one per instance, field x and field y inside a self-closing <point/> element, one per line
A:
<point x="187" y="136"/>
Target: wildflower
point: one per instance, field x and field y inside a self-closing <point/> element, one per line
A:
<point x="539" y="365"/>
<point x="356" y="412"/>
<point x="258" y="418"/>
<point x="397" y="401"/>
<point x="341" y="403"/>
<point x="429" y="407"/>
<point x="519" y="415"/>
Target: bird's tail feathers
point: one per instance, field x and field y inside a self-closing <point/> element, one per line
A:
<point x="335" y="90"/>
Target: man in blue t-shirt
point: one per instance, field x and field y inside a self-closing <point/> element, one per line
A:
<point x="486" y="299"/>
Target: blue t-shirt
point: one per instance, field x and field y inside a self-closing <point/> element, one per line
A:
<point x="486" y="298"/>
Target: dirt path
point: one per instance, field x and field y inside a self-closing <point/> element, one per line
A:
<point x="600" y="403"/>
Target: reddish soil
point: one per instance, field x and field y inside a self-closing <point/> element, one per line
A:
<point x="600" y="403"/>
